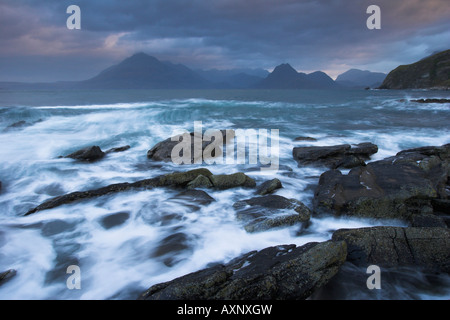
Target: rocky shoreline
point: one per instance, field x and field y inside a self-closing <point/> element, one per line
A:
<point x="413" y="186"/>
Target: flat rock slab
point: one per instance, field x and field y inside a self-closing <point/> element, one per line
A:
<point x="270" y="211"/>
<point x="333" y="157"/>
<point x="280" y="272"/>
<point x="428" y="248"/>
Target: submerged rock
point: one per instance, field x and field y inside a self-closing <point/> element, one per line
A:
<point x="428" y="248"/>
<point x="171" y="247"/>
<point x="16" y="126"/>
<point x="114" y="220"/>
<point x="271" y="211"/>
<point x="89" y="154"/>
<point x="333" y="157"/>
<point x="281" y="272"/>
<point x="396" y="187"/>
<point x="94" y="153"/>
<point x="195" y="196"/>
<point x="305" y="139"/>
<point x="118" y="149"/>
<point x="7" y="275"/>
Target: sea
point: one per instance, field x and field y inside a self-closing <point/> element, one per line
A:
<point x="123" y="243"/>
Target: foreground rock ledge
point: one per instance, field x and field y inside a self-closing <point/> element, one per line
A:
<point x="280" y="272"/>
<point x="427" y="248"/>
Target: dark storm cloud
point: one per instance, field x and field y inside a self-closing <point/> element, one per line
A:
<point x="311" y="35"/>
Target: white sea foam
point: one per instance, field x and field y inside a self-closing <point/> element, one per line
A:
<point x="119" y="261"/>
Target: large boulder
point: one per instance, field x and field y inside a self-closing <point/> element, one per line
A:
<point x="428" y="248"/>
<point x="396" y="187"/>
<point x="162" y="151"/>
<point x="271" y="211"/>
<point x="280" y="272"/>
<point x="333" y="157"/>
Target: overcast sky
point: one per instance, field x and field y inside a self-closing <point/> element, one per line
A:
<point x="327" y="35"/>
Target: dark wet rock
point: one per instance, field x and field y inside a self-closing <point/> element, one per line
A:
<point x="234" y="180"/>
<point x="396" y="187"/>
<point x="20" y="125"/>
<point x="0" y="186"/>
<point x="200" y="182"/>
<point x="428" y="248"/>
<point x="281" y="272"/>
<point x="16" y="125"/>
<point x="118" y="149"/>
<point x="441" y="208"/>
<point x="173" y="180"/>
<point x="268" y="187"/>
<point x="364" y="150"/>
<point x="427" y="221"/>
<point x="88" y="154"/>
<point x="162" y="151"/>
<point x="441" y="205"/>
<point x="333" y="157"/>
<point x="183" y="178"/>
<point x="305" y="139"/>
<point x="7" y="275"/>
<point x="271" y="211"/>
<point x="114" y="220"/>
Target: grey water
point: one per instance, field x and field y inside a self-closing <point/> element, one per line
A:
<point x="126" y="242"/>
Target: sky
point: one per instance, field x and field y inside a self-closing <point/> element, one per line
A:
<point x="327" y="35"/>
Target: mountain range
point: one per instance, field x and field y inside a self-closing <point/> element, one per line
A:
<point x="142" y="71"/>
<point x="360" y="78"/>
